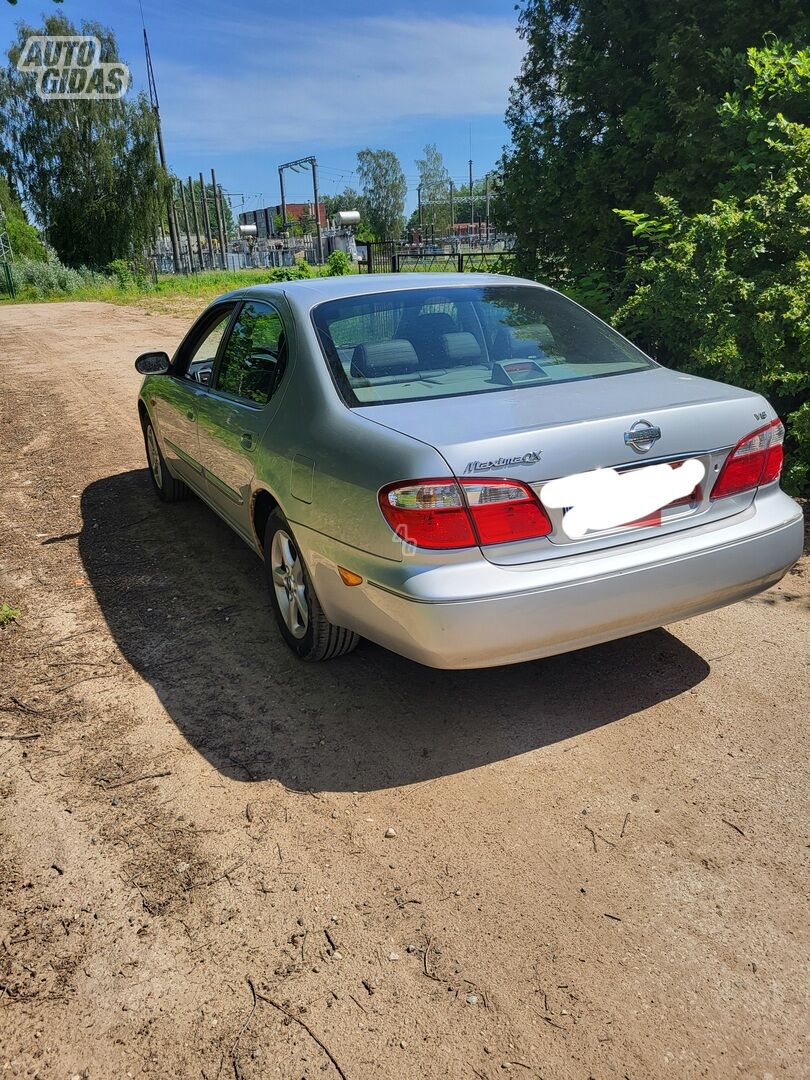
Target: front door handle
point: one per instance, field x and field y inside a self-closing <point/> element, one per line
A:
<point x="246" y="440"/>
<point x="190" y="414"/>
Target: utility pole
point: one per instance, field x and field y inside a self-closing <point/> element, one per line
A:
<point x="224" y="225"/>
<point x="488" y="207"/>
<point x="452" y="210"/>
<point x="153" y="101"/>
<point x="188" y="230"/>
<point x="207" y="220"/>
<point x="220" y="205"/>
<point x="304" y="162"/>
<point x="283" y="199"/>
<point x="196" y="222"/>
<point x="317" y="210"/>
<point x="472" y="201"/>
<point x="419" y="204"/>
<point x="176" y="222"/>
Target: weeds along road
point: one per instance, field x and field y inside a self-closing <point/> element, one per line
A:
<point x="599" y="858"/>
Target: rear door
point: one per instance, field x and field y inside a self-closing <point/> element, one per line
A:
<point x="235" y="412"/>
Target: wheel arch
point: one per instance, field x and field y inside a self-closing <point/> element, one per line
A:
<point x="263" y="504"/>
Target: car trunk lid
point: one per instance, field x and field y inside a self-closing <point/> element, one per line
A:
<point x="537" y="434"/>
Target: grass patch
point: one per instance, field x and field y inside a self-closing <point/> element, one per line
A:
<point x="8" y="614"/>
<point x="50" y="280"/>
<point x="175" y="294"/>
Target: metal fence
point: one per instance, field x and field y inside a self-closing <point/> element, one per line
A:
<point x="239" y="255"/>
<point x="397" y="257"/>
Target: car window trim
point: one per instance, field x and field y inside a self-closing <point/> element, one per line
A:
<point x="237" y="399"/>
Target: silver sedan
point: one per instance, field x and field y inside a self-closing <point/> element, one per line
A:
<point x="468" y="469"/>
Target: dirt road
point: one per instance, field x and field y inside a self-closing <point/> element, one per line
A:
<point x="599" y="859"/>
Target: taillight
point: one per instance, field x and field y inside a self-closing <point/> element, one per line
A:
<point x="428" y="513"/>
<point x="755" y="460"/>
<point x="463" y="513"/>
<point x="504" y="510"/>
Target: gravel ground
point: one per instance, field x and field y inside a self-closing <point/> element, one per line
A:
<point x="599" y="860"/>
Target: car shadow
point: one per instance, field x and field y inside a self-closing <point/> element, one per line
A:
<point x="186" y="602"/>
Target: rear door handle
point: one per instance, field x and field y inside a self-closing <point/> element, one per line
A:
<point x="246" y="440"/>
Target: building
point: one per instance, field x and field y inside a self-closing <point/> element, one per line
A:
<point x="265" y="218"/>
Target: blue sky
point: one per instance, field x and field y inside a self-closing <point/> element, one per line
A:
<point x="245" y="86"/>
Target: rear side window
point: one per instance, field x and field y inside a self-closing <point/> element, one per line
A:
<point x="254" y="356"/>
<point x="420" y="343"/>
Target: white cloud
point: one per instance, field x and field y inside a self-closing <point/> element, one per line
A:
<point x="345" y="81"/>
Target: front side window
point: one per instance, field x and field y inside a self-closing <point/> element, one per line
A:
<point x="448" y="341"/>
<point x="204" y="352"/>
<point x="254" y="356"/>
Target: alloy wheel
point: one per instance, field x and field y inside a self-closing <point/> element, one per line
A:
<point x="154" y="456"/>
<point x="288" y="583"/>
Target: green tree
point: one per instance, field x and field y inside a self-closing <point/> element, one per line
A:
<point x="384" y="187"/>
<point x="434" y="180"/>
<point x="87" y="170"/>
<point x="348" y="199"/>
<point x="616" y="100"/>
<point x="306" y="220"/>
<point x="726" y="293"/>
<point x="24" y="238"/>
<point x="293" y="227"/>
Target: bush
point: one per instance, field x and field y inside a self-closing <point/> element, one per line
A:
<point x="47" y="278"/>
<point x="290" y="273"/>
<point x="338" y="264"/>
<point x="122" y="272"/>
<point x="128" y="275"/>
<point x="726" y="294"/>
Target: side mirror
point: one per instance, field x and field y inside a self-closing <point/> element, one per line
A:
<point x="153" y="363"/>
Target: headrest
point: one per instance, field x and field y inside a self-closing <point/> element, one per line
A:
<point x="396" y="357"/>
<point x="508" y="346"/>
<point x="461" y="349"/>
<point x="430" y="325"/>
<point x="434" y="322"/>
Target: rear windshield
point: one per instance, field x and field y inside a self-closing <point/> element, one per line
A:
<point x="444" y="342"/>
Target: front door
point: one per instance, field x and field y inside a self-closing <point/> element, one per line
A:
<point x="176" y="407"/>
<point x="234" y="415"/>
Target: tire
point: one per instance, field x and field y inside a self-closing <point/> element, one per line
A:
<point x="168" y="489"/>
<point x="298" y="613"/>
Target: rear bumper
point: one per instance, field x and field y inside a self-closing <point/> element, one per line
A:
<point x="475" y="614"/>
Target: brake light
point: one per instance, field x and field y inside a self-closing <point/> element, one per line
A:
<point x="428" y="513"/>
<point x="504" y="510"/>
<point x="755" y="460"/>
<point x="462" y="513"/>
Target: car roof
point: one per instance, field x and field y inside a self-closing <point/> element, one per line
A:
<point x="306" y="292"/>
